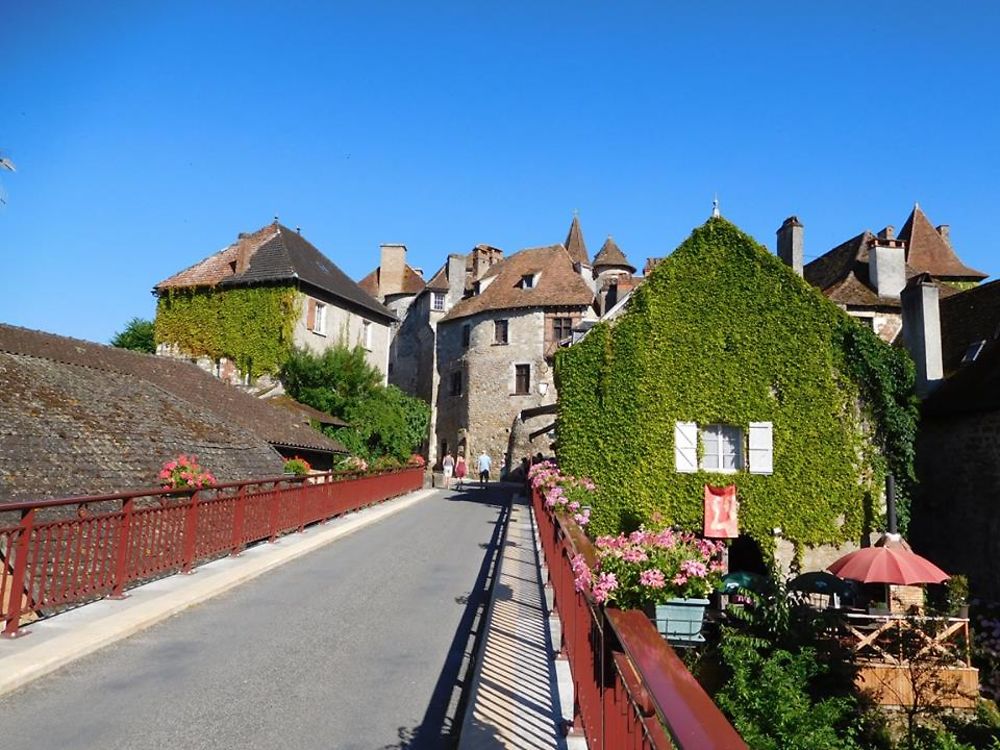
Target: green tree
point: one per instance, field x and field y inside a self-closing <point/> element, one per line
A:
<point x="137" y="336"/>
<point x="383" y="421"/>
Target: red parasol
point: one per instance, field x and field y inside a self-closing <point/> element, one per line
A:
<point x="889" y="564"/>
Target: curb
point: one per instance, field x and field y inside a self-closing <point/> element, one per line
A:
<point x="71" y="635"/>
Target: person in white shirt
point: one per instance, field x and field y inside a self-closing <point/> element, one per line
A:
<point x="448" y="464"/>
<point x="483" y="464"/>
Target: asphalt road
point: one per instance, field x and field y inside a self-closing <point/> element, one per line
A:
<point x="362" y="644"/>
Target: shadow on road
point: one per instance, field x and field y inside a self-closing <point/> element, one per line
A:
<point x="443" y="718"/>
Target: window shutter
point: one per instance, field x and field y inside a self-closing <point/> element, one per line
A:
<point x="686" y="447"/>
<point x="311" y="315"/>
<point x="761" y="453"/>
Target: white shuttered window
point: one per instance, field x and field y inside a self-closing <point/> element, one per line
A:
<point x="761" y="453"/>
<point x="686" y="447"/>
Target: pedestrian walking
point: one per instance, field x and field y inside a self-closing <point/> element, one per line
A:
<point x="460" y="470"/>
<point x="448" y="464"/>
<point x="483" y="465"/>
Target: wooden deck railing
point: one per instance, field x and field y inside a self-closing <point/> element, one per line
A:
<point x="631" y="689"/>
<point x="55" y="554"/>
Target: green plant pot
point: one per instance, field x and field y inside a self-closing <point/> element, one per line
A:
<point x="680" y="620"/>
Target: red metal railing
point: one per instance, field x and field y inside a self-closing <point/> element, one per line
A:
<point x="631" y="689"/>
<point x="60" y="553"/>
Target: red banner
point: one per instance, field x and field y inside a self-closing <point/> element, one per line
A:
<point x="721" y="512"/>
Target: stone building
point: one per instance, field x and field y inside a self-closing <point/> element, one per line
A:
<point x="319" y="308"/>
<point x="956" y="519"/>
<point x="866" y="274"/>
<point x="476" y="340"/>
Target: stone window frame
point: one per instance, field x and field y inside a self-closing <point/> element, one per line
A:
<point x="366" y="334"/>
<point x="319" y="322"/>
<point x="522" y="379"/>
<point x="502" y="324"/>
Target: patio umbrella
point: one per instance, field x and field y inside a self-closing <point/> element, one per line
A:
<point x="744" y="580"/>
<point x="820" y="582"/>
<point x="892" y="564"/>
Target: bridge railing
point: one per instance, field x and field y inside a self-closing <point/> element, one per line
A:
<point x="56" y="554"/>
<point x="631" y="689"/>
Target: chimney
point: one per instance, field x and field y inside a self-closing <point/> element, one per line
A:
<point x="791" y="243"/>
<point x="887" y="267"/>
<point x="922" y="332"/>
<point x="456" y="278"/>
<point x="391" y="268"/>
<point x="945" y="231"/>
<point x="889" y="233"/>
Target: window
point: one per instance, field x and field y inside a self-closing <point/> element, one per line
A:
<point x="437" y="301"/>
<point x="366" y="334"/>
<point x="466" y="335"/>
<point x="528" y="281"/>
<point x="500" y="332"/>
<point x="722" y="448"/>
<point x="522" y="379"/>
<point x="562" y="328"/>
<point x="456" y="383"/>
<point x="319" y="326"/>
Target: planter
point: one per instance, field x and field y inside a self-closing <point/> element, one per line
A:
<point x="680" y="620"/>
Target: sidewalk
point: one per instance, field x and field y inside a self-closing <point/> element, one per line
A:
<point x="57" y="641"/>
<point x="515" y="700"/>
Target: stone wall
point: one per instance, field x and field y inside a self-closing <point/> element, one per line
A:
<point x="484" y="415"/>
<point x="956" y="513"/>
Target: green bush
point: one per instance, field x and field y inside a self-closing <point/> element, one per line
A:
<point x="138" y="335"/>
<point x="382" y="420"/>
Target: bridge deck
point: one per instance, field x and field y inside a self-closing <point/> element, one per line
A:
<point x="361" y="644"/>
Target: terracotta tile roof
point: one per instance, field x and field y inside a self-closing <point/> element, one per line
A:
<point x="575" y="245"/>
<point x="413" y="282"/>
<point x="181" y="379"/>
<point x="82" y="418"/>
<point x="274" y="253"/>
<point x="439" y="281"/>
<point x="968" y="317"/>
<point x="558" y="284"/>
<point x="843" y="275"/>
<point x="927" y="250"/>
<point x="610" y="255"/>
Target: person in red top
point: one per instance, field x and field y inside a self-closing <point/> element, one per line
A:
<point x="460" y="470"/>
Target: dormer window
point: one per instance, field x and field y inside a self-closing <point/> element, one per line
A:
<point x="437" y="301"/>
<point x="973" y="352"/>
<point x="528" y="281"/>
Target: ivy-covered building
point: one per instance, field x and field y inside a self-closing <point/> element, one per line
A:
<point x="238" y="312"/>
<point x="727" y="368"/>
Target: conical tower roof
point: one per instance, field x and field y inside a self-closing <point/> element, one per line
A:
<point x="575" y="245"/>
<point x="611" y="256"/>
<point x="928" y="251"/>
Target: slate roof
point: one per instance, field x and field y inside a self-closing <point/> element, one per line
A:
<point x="83" y="418"/>
<point x="558" y="285"/>
<point x="304" y="412"/>
<point x="274" y="253"/>
<point x="928" y="251"/>
<point x="974" y="388"/>
<point x="575" y="245"/>
<point x="413" y="282"/>
<point x="968" y="317"/>
<point x="611" y="256"/>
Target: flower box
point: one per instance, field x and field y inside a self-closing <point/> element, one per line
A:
<point x="680" y="620"/>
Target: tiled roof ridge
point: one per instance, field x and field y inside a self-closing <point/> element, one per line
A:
<point x="575" y="244"/>
<point x="257" y="238"/>
<point x="611" y="255"/>
<point x="934" y="254"/>
<point x="72" y="340"/>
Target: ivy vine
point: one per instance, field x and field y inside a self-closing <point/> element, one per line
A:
<point x="724" y="332"/>
<point x="252" y="326"/>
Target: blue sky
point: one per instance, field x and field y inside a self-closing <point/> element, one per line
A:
<point x="147" y="135"/>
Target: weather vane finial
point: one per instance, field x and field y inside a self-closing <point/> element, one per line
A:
<point x="715" y="207"/>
